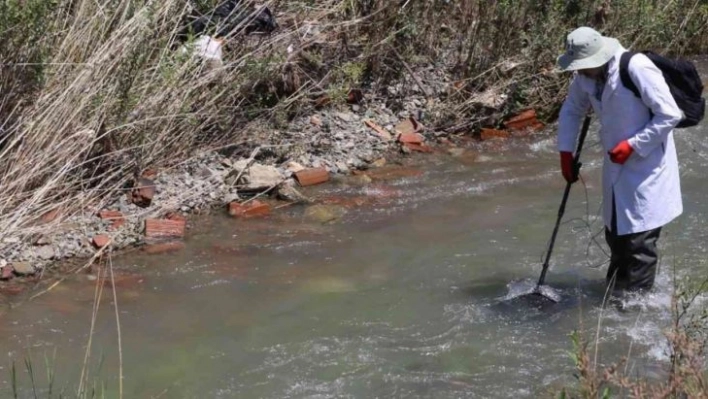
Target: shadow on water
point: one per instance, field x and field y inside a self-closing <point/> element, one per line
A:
<point x="514" y="298"/>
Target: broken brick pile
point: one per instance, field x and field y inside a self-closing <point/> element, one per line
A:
<point x="157" y="223"/>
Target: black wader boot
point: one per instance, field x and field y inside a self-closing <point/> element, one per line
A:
<point x="634" y="258"/>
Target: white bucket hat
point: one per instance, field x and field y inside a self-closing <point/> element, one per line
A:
<point x="587" y="48"/>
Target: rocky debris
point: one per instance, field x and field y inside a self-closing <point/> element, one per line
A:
<point x="294" y="167"/>
<point x="176" y="216"/>
<point x="42" y="240"/>
<point x="492" y="98"/>
<point x="346" y="116"/>
<point x="253" y="177"/>
<point x="311" y="177"/>
<point x="383" y="133"/>
<point x="316" y="121"/>
<point x="45" y="252"/>
<point x="250" y="209"/>
<point x="344" y="140"/>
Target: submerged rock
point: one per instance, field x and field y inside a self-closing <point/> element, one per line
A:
<point x="288" y="192"/>
<point x="23" y="268"/>
<point x="325" y="213"/>
<point x="329" y="285"/>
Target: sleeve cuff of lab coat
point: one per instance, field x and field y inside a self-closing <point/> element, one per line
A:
<point x="643" y="149"/>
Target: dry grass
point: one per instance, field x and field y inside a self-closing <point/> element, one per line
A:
<point x="684" y="375"/>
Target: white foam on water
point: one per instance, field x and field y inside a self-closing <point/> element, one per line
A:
<point x="543" y="145"/>
<point x="519" y="288"/>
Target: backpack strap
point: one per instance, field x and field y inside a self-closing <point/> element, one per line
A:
<point x="624" y="73"/>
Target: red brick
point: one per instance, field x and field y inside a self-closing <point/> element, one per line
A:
<point x="250" y="209"/>
<point x="110" y="215"/>
<point x="12" y="289"/>
<point x="383" y="133"/>
<point x="162" y="248"/>
<point x="143" y="192"/>
<point x="355" y="96"/>
<point x="7" y="273"/>
<point x="161" y="228"/>
<point x="149" y="173"/>
<point x="487" y="134"/>
<point x="310" y="177"/>
<point x="525" y="120"/>
<point x="50" y="216"/>
<point x="418" y="147"/>
<point x="410" y="138"/>
<point x="101" y="241"/>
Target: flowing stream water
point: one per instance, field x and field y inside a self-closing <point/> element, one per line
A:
<point x="401" y="297"/>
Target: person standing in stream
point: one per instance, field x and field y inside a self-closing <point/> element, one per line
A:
<point x="640" y="175"/>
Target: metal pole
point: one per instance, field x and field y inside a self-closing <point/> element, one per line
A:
<point x="566" y="193"/>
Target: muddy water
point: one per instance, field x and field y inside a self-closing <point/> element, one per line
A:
<point x="399" y="298"/>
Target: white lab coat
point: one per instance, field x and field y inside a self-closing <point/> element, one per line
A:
<point x="646" y="188"/>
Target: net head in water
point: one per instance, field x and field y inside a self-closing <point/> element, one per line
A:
<point x="548" y="292"/>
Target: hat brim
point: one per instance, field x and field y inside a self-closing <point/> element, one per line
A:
<point x="608" y="50"/>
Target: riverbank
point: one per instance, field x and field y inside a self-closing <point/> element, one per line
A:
<point x="113" y="130"/>
<point x="360" y="142"/>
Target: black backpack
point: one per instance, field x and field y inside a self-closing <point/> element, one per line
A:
<point x="683" y="81"/>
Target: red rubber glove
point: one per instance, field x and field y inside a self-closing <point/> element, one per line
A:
<point x="569" y="173"/>
<point x="621" y="152"/>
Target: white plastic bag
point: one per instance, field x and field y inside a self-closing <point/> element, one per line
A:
<point x="208" y="48"/>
